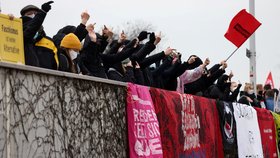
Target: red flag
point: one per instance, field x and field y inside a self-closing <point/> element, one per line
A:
<point x="241" y="27"/>
<point x="269" y="80"/>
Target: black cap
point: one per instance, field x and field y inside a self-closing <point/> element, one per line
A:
<point x="28" y="8"/>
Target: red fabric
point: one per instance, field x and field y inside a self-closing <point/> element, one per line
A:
<point x="143" y="126"/>
<point x="189" y="125"/>
<point x="267" y="130"/>
<point x="241" y="27"/>
<point x="269" y="80"/>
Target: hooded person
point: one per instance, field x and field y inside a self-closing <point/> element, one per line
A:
<point x="248" y="96"/>
<point x="220" y="90"/>
<point x="192" y="74"/>
<point x="69" y="50"/>
<point x="32" y="20"/>
<point x="207" y="79"/>
<point x="224" y="89"/>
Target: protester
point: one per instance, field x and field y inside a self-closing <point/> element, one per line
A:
<point x="79" y="49"/>
<point x="70" y="47"/>
<point x="269" y="99"/>
<point x="225" y="89"/>
<point x="248" y="97"/>
<point x="191" y="75"/>
<point x="32" y="20"/>
<point x="207" y="79"/>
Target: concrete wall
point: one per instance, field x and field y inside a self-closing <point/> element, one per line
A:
<point x="46" y="113"/>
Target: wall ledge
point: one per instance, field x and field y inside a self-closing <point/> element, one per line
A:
<point x="59" y="73"/>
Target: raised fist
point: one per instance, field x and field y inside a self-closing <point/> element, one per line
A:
<point x="143" y="35"/>
<point x="47" y="6"/>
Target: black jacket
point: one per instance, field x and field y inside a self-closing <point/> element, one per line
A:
<point x="91" y="59"/>
<point x="144" y="65"/>
<point x="128" y="75"/>
<point x="30" y="28"/>
<point x="205" y="81"/>
<point x="221" y="90"/>
<point x="47" y="53"/>
<point x="158" y="79"/>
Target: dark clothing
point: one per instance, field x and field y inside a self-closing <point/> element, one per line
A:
<point x="205" y="81"/>
<point x="30" y="28"/>
<point x="128" y="76"/>
<point x="143" y="52"/>
<point x="144" y="65"/>
<point x="171" y="74"/>
<point x="158" y="79"/>
<point x="92" y="60"/>
<point x="80" y="31"/>
<point x="243" y="99"/>
<point x="113" y="60"/>
<point x="47" y="53"/>
<point x="222" y="91"/>
<point x="139" y="78"/>
<point x="98" y="63"/>
<point x="63" y="62"/>
<point x="219" y="92"/>
<point x="68" y="65"/>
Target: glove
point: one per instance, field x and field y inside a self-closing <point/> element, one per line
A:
<point x="152" y="37"/>
<point x="47" y="6"/>
<point x="143" y="35"/>
<point x="239" y="85"/>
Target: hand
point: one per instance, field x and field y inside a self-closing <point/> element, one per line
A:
<point x="224" y="66"/>
<point x="143" y="35"/>
<point x="107" y="32"/>
<point x="90" y="27"/>
<point x="222" y="62"/>
<point x="85" y="16"/>
<point x="168" y="51"/>
<point x="129" y="64"/>
<point x="174" y="60"/>
<point x="11" y="16"/>
<point x="249" y="99"/>
<point x="191" y="60"/>
<point x="206" y="62"/>
<point x="158" y="38"/>
<point x="136" y="43"/>
<point x="122" y="37"/>
<point x="137" y="66"/>
<point x="47" y="6"/>
<point x="230" y="75"/>
<point x="92" y="34"/>
<point x="239" y="85"/>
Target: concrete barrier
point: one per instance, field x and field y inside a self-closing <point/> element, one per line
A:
<point x="45" y="113"/>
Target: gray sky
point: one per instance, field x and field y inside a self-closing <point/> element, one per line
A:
<point x="190" y="26"/>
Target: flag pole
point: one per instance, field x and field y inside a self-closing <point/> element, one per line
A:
<point x="232" y="54"/>
<point x="252" y="47"/>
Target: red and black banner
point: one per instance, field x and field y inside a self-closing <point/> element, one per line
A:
<point x="228" y="128"/>
<point x="189" y="125"/>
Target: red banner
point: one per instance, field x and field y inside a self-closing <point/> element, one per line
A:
<point x="242" y="26"/>
<point x="189" y="125"/>
<point x="143" y="126"/>
<point x="269" y="80"/>
<point x="268" y="133"/>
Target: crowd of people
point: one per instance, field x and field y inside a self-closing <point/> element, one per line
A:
<point x="130" y="60"/>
